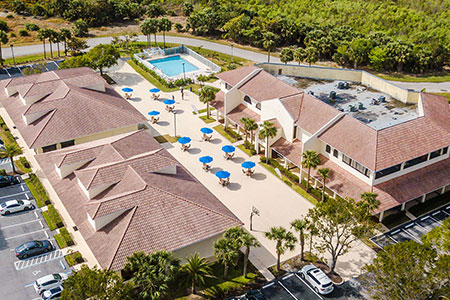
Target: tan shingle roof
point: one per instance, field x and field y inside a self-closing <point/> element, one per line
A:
<point x="242" y="111"/>
<point x="72" y="111"/>
<point x="161" y="211"/>
<point x="234" y="76"/>
<point x="219" y="101"/>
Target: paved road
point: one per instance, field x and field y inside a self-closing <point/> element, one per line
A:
<point x="250" y="55"/>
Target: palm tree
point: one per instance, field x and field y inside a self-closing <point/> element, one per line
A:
<point x="207" y="95"/>
<point x="164" y="25"/>
<point x="312" y="232"/>
<point x="310" y="159"/>
<point x="147" y="29"/>
<point x="242" y="238"/>
<point x="226" y="253"/>
<point x="43" y="35"/>
<point x="267" y="131"/>
<point x="196" y="270"/>
<point x="301" y="225"/>
<point x="153" y="26"/>
<point x="10" y="151"/>
<point x="285" y="240"/>
<point x="51" y="38"/>
<point x="65" y="35"/>
<point x="371" y="200"/>
<point x="56" y="38"/>
<point x="244" y="120"/>
<point x="269" y="43"/>
<point x="252" y="126"/>
<point x="324" y="173"/>
<point x="3" y="40"/>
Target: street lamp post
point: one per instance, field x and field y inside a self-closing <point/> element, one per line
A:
<point x="184" y="73"/>
<point x="255" y="212"/>
<point x="12" y="52"/>
<point x="175" y="123"/>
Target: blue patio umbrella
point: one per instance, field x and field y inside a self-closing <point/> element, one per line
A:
<point x="127" y="90"/>
<point x="206" y="130"/>
<point x="154" y="90"/>
<point x="153" y="113"/>
<point x="223" y="174"/>
<point x="228" y="148"/>
<point x="169" y="102"/>
<point x="184" y="140"/>
<point x="248" y="164"/>
<point x="205" y="159"/>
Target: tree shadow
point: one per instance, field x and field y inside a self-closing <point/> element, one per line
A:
<point x="238" y="160"/>
<point x="163" y="123"/>
<point x="194" y="150"/>
<point x="259" y="176"/>
<point x="215" y="141"/>
<point x="234" y="186"/>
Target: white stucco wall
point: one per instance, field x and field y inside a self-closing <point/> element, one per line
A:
<point x="274" y="109"/>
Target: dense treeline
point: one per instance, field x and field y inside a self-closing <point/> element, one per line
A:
<point x="400" y="35"/>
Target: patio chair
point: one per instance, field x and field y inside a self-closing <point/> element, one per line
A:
<point x="127" y="96"/>
<point x="155" y="120"/>
<point x="227" y="181"/>
<point x="208" y="138"/>
<point x="206" y="167"/>
<point x="170" y="108"/>
<point x="230" y="156"/>
<point x="155" y="96"/>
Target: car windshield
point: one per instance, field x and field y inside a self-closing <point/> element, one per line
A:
<point x="327" y="285"/>
<point x="57" y="276"/>
<point x="3" y="205"/>
<point x="39" y="244"/>
<point x="20" y="202"/>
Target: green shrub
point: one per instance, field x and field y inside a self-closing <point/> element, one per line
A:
<point x="233" y="133"/>
<point x="251" y="148"/>
<point x="66" y="236"/>
<point x="53" y="213"/>
<point x="12" y="35"/>
<point x="32" y="27"/>
<point x="2" y="172"/>
<point x="74" y="258"/>
<point x="179" y="27"/>
<point x="10" y="16"/>
<point x="80" y="28"/>
<point x="60" y="241"/>
<point x="23" y="32"/>
<point x="48" y="220"/>
<point x="282" y="169"/>
<point x="3" y="26"/>
<point x="153" y="74"/>
<point x="24" y="162"/>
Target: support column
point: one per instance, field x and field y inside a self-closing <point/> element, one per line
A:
<point x="334" y="195"/>
<point x="403" y="206"/>
<point x="285" y="162"/>
<point x="443" y="189"/>
<point x="381" y="216"/>
<point x="423" y="198"/>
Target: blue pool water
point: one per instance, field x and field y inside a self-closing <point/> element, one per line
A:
<point x="172" y="66"/>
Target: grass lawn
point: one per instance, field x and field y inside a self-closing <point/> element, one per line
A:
<point x="220" y="129"/>
<point x="295" y="187"/>
<point x="50" y="223"/>
<point x="26" y="59"/>
<point x="171" y="139"/>
<point x="161" y="139"/>
<point x="207" y="121"/>
<point x="200" y="111"/>
<point x="7" y="137"/>
<point x="21" y="167"/>
<point x="246" y="151"/>
<point x="445" y="76"/>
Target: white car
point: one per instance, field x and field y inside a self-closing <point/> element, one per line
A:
<point x="48" y="282"/>
<point x="53" y="293"/>
<point x="13" y="206"/>
<point x="321" y="283"/>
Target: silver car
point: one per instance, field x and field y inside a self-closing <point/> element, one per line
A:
<point x="320" y="282"/>
<point x="53" y="293"/>
<point x="13" y="206"/>
<point x="48" y="282"/>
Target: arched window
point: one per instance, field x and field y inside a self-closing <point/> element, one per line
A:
<point x="247" y="99"/>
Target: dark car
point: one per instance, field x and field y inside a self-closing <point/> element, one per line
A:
<point x="33" y="248"/>
<point x="8" y="180"/>
<point x="255" y="295"/>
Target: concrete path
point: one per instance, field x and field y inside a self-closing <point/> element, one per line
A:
<point x="250" y="55"/>
<point x="278" y="204"/>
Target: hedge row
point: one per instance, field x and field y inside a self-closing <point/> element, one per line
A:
<point x="63" y="238"/>
<point x="233" y="133"/>
<point x="10" y="138"/>
<point x="49" y="220"/>
<point x="37" y="190"/>
<point x="282" y="169"/>
<point x="54" y="215"/>
<point x="74" y="258"/>
<point x="250" y="147"/>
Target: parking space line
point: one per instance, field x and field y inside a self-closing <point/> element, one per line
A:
<point x="21" y="186"/>
<point x="299" y="277"/>
<point x="35" y="213"/>
<point x="28" y="197"/>
<point x="20" y="235"/>
<point x="269" y="285"/>
<point x="23" y="223"/>
<point x="8" y="196"/>
<point x="42" y="225"/>
<point x="22" y="264"/>
<point x="282" y="285"/>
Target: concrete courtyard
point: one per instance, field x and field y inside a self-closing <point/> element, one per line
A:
<point x="278" y="203"/>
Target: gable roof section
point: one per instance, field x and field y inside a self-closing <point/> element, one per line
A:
<point x="70" y="110"/>
<point x="233" y="77"/>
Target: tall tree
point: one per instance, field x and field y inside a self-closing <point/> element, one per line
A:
<point x="151" y="27"/>
<point x="341" y="222"/>
<point x="287" y="55"/>
<point x="96" y="284"/>
<point x="196" y="270"/>
<point x="10" y="151"/>
<point x="268" y="131"/>
<point x="207" y="95"/>
<point x="164" y="25"/>
<point x="147" y="29"/>
<point x="299" y="55"/>
<point x="324" y="174"/>
<point x="244" y="121"/>
<point x="312" y="55"/>
<point x="65" y="35"/>
<point x="285" y="240"/>
<point x="269" y="42"/>
<point x="301" y="225"/>
<point x="252" y="126"/>
<point x="76" y="44"/>
<point x="51" y="37"/>
<point x="3" y="40"/>
<point x="310" y="159"/>
<point x="103" y="56"/>
<point x="55" y="38"/>
<point x="226" y="253"/>
<point x="43" y="35"/>
<point x="242" y="238"/>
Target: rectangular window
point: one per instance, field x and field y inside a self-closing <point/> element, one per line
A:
<point x="346" y="159"/>
<point x="360" y="168"/>
<point x="388" y="171"/>
<point x="67" y="144"/>
<point x="335" y="153"/>
<point x="435" y="153"/>
<point x="416" y="161"/>
<point x="328" y="148"/>
<point x="49" y="148"/>
<point x="295" y="131"/>
<point x="445" y="150"/>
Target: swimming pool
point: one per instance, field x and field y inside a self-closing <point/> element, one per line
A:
<point x="173" y="65"/>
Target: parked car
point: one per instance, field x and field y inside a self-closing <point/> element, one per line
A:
<point x="13" y="206"/>
<point x="48" y="282"/>
<point x="255" y="295"/>
<point x="320" y="282"/>
<point x="33" y="248"/>
<point x="52" y="294"/>
<point x="8" y="180"/>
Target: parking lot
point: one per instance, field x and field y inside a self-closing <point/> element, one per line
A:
<point x="17" y="276"/>
<point x="413" y="230"/>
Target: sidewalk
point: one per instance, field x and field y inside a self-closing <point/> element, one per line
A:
<point x="278" y="203"/>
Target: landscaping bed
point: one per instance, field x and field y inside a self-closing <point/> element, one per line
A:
<point x="74" y="258"/>
<point x="206" y="120"/>
<point x="228" y="133"/>
<point x="37" y="190"/>
<point x="6" y="135"/>
<point x="63" y="238"/>
<point x="23" y="165"/>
